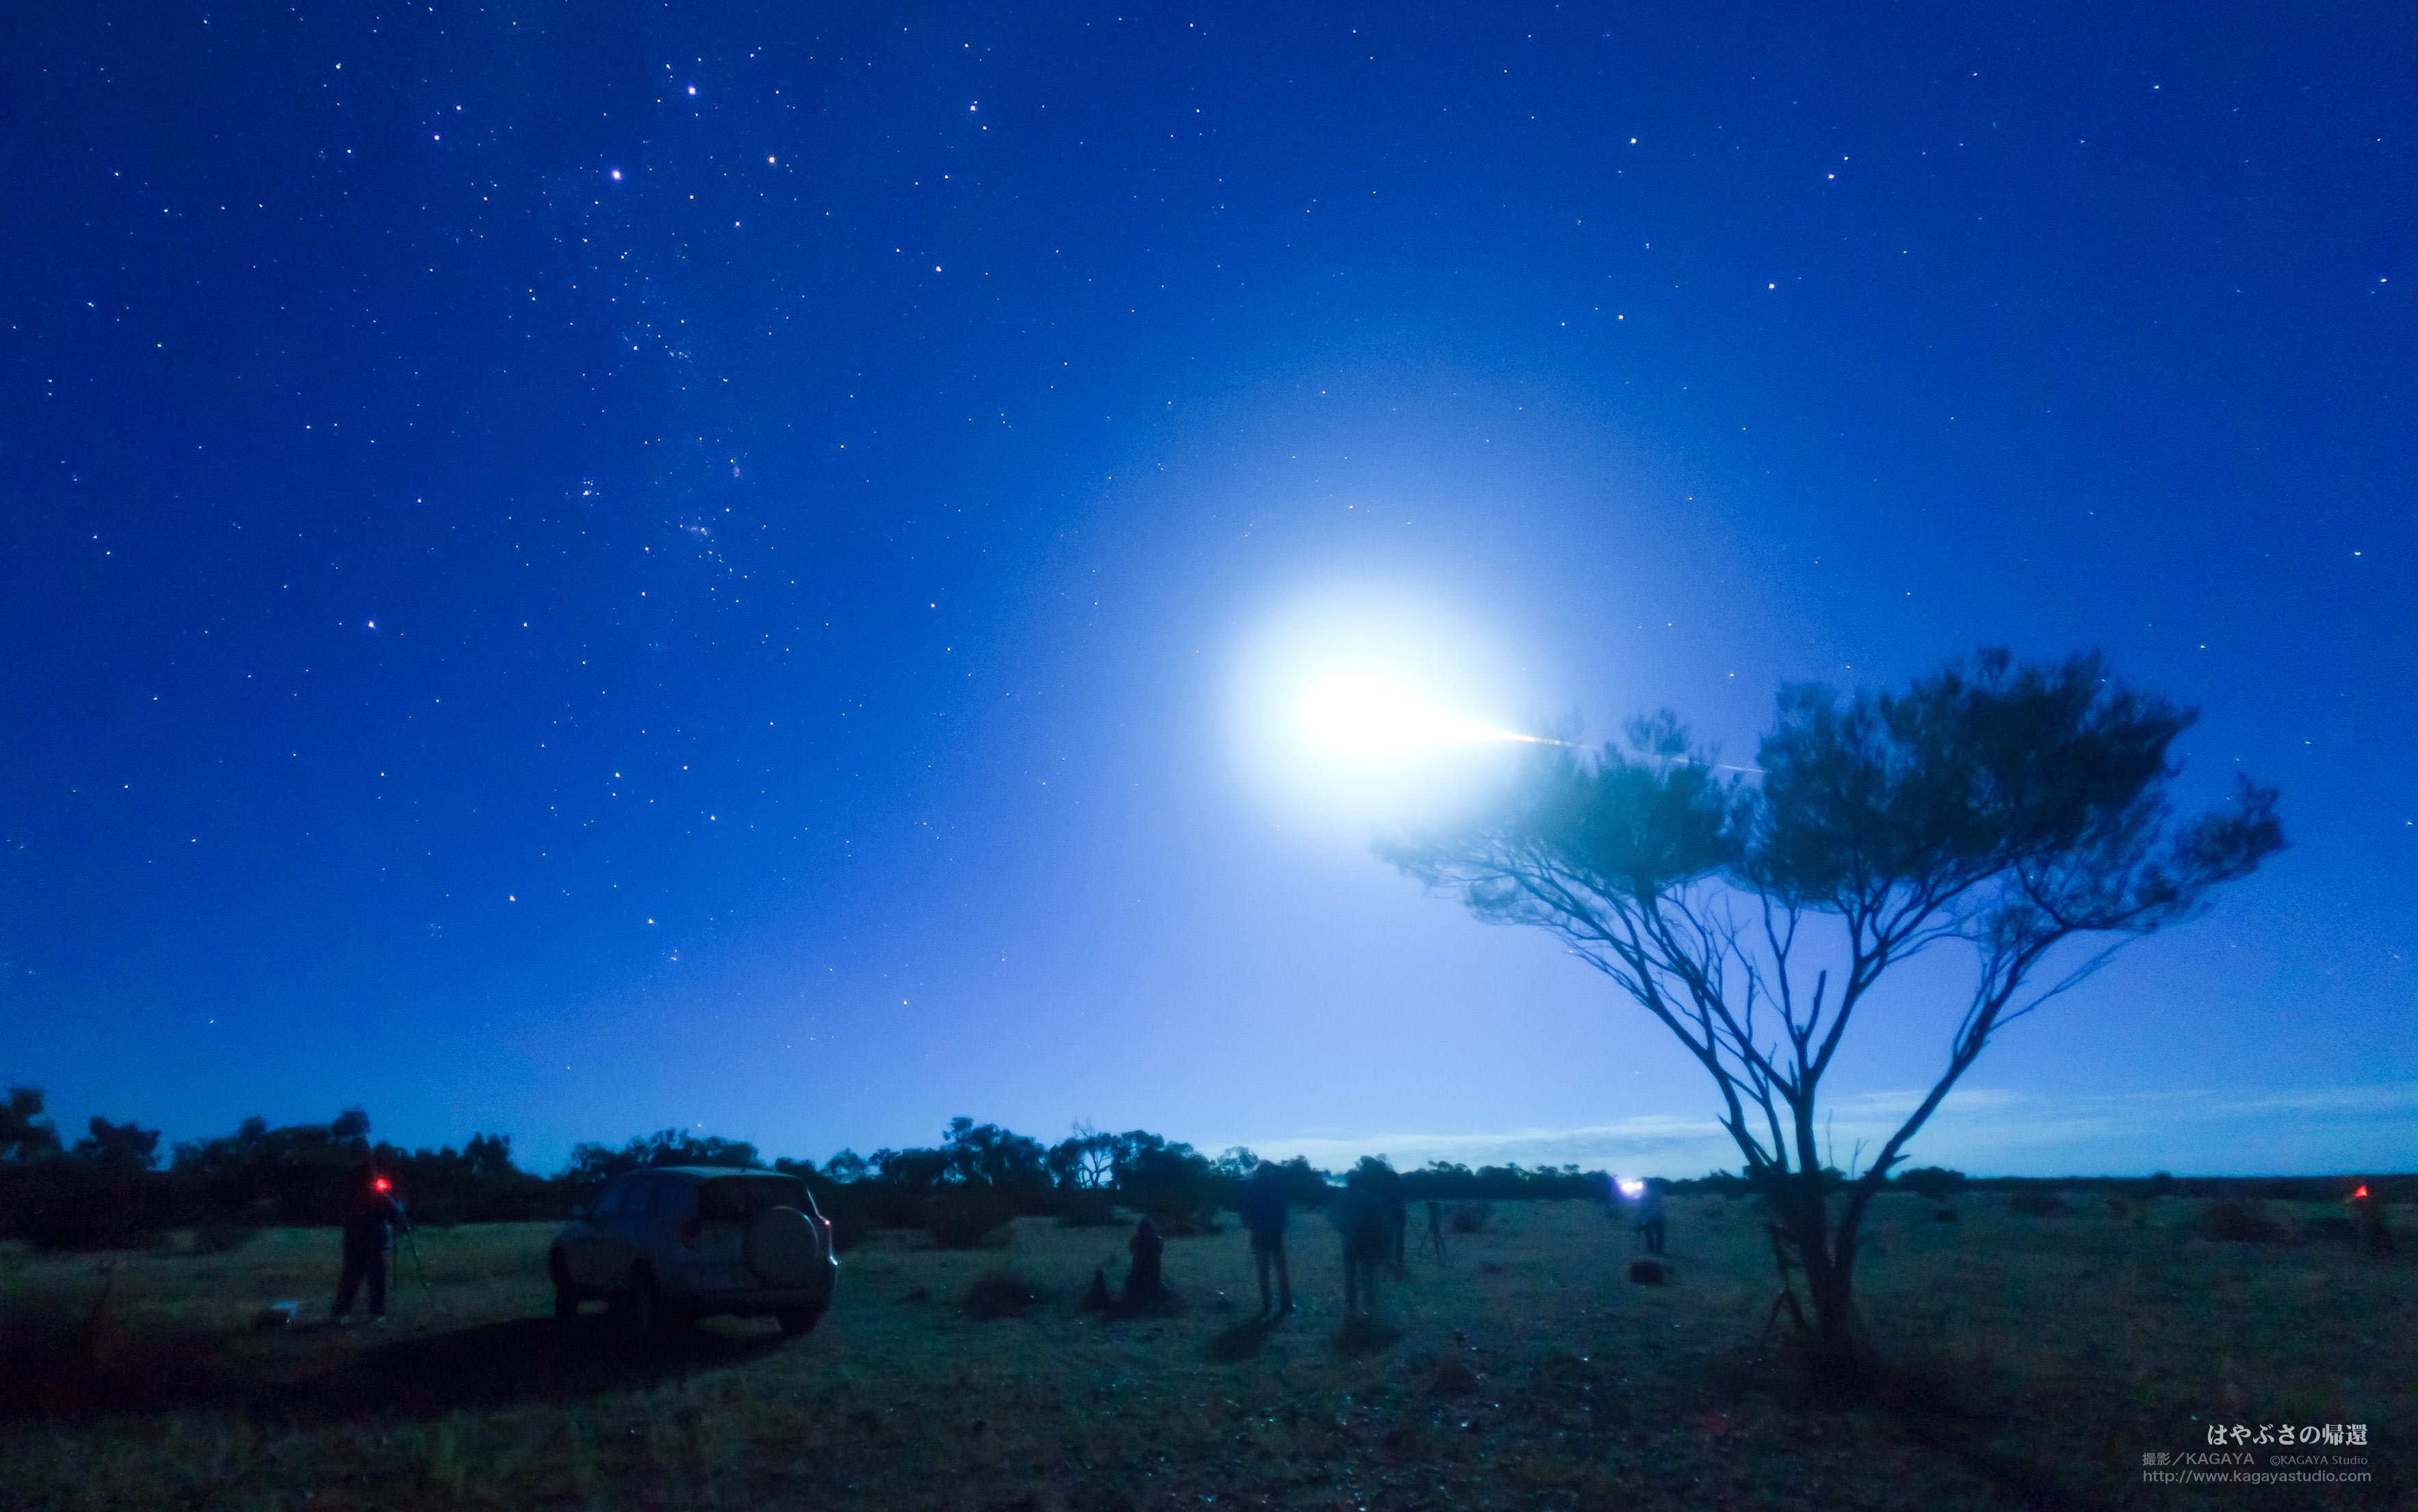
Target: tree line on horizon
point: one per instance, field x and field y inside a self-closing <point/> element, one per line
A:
<point x="113" y="1188"/>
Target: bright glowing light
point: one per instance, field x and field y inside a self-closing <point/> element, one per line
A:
<point x="1358" y="715"/>
<point x="383" y="1185"/>
<point x="1632" y="1188"/>
<point x="1356" y="710"/>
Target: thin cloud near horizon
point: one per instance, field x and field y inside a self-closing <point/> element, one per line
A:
<point x="1985" y="1131"/>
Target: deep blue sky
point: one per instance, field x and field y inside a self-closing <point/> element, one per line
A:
<point x="577" y="569"/>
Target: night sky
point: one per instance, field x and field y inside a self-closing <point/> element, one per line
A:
<point x="577" y="569"/>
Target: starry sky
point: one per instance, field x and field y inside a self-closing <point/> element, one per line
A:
<point x="572" y="569"/>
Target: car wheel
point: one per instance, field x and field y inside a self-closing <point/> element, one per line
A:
<point x="801" y="1319"/>
<point x="566" y="1299"/>
<point x="641" y="1306"/>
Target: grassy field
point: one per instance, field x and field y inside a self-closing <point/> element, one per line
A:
<point x="2036" y="1359"/>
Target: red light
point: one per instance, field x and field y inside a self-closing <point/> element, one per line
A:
<point x="382" y="1184"/>
<point x="2361" y="1193"/>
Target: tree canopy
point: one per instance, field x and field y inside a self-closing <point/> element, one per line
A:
<point x="2012" y="809"/>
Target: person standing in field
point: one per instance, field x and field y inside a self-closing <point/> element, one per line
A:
<point x="370" y="1219"/>
<point x="1364" y="1218"/>
<point x="1647" y="1214"/>
<point x="2373" y="1230"/>
<point x="1264" y="1214"/>
<point x="1387" y="1183"/>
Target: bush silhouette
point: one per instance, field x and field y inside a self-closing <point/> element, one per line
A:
<point x="962" y="1218"/>
<point x="1934" y="1182"/>
<point x="1087" y="1208"/>
<point x="1001" y="1293"/>
<point x="2239" y="1223"/>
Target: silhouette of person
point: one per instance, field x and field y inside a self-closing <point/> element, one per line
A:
<point x="370" y="1219"/>
<point x="1363" y="1216"/>
<point x="1264" y="1214"/>
<point x="1648" y="1216"/>
<point x="2373" y="1233"/>
<point x="1435" y="1229"/>
<point x="1143" y="1283"/>
<point x="1387" y="1183"/>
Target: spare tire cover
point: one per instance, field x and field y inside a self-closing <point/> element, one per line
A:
<point x="781" y="1247"/>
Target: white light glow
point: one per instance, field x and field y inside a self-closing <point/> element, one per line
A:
<point x="1357" y="709"/>
<point x="1354" y="714"/>
<point x="1632" y="1188"/>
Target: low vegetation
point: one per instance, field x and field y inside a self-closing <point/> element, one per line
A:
<point x="2031" y="1361"/>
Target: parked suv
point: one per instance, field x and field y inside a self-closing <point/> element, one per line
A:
<point x="686" y="1241"/>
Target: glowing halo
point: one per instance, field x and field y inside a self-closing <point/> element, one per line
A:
<point x="1354" y="714"/>
<point x="1356" y="710"/>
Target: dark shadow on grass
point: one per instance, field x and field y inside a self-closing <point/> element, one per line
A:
<point x="61" y="1374"/>
<point x="1165" y="1304"/>
<point x="60" y="1366"/>
<point x="521" y="1360"/>
<point x="1364" y="1336"/>
<point x="1243" y="1340"/>
<point x="1933" y="1401"/>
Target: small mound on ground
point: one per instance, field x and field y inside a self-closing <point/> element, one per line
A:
<point x="1001" y="1293"/>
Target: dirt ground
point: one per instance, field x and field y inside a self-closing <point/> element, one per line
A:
<point x="2034" y="1360"/>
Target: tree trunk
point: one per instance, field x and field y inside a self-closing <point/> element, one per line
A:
<point x="1835" y="1350"/>
<point x="1837" y="1355"/>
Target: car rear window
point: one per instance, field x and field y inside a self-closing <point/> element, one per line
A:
<point x="740" y="1197"/>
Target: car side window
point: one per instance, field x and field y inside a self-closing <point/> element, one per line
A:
<point x="672" y="1201"/>
<point x="644" y="1192"/>
<point x="609" y="1202"/>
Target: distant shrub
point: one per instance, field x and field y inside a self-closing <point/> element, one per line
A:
<point x="848" y="1225"/>
<point x="1469" y="1218"/>
<point x="1001" y="1293"/>
<point x="963" y="1217"/>
<point x="1944" y="1215"/>
<point x="217" y="1236"/>
<point x="2331" y="1230"/>
<point x="1089" y="1207"/>
<point x="1933" y="1181"/>
<point x="2037" y="1203"/>
<point x="2239" y="1223"/>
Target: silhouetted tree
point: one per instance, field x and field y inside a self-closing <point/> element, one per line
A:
<point x="593" y="1165"/>
<point x="119" y="1146"/>
<point x="24" y="1133"/>
<point x="1013" y="1165"/>
<point x="1934" y="1182"/>
<point x="2009" y="809"/>
<point x="1085" y="1160"/>
<point x="1445" y="1180"/>
<point x="1304" y="1184"/>
<point x="1170" y="1181"/>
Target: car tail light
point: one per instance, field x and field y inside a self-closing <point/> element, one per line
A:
<point x="690" y="1231"/>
